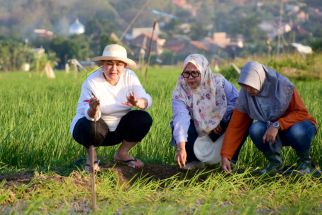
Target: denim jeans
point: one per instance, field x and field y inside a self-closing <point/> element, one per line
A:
<point x="193" y="135"/>
<point x="299" y="136"/>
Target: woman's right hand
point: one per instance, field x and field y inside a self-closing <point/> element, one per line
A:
<point x="225" y="164"/>
<point x="93" y="106"/>
<point x="181" y="155"/>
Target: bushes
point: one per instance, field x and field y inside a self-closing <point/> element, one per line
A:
<point x="13" y="53"/>
<point x="316" y="45"/>
<point x="230" y="74"/>
<point x="295" y="66"/>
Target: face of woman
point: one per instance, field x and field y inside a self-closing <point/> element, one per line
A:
<point x="113" y="70"/>
<point x="250" y="90"/>
<point x="192" y="76"/>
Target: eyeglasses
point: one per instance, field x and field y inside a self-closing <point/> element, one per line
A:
<point x="112" y="63"/>
<point x="187" y="74"/>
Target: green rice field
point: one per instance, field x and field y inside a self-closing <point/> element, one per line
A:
<point x="35" y="142"/>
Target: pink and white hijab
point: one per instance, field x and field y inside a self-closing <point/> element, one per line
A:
<point x="207" y="104"/>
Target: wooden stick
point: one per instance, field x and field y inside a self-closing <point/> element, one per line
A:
<point x="149" y="50"/>
<point x="91" y="157"/>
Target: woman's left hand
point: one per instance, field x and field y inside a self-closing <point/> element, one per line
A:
<point x="225" y="164"/>
<point x="132" y="101"/>
<point x="270" y="135"/>
<point x="218" y="130"/>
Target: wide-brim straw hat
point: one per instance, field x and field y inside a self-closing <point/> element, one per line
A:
<point x="208" y="151"/>
<point x="115" y="52"/>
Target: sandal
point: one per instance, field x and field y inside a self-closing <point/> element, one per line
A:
<point x="96" y="167"/>
<point x="133" y="163"/>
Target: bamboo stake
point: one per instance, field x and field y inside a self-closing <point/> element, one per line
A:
<point x="92" y="160"/>
<point x="92" y="181"/>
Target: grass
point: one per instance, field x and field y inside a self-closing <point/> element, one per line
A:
<point x="34" y="136"/>
<point x="240" y="193"/>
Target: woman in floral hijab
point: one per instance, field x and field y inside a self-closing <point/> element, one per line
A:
<point x="202" y="103"/>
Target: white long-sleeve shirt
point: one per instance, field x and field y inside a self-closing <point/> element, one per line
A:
<point x="111" y="98"/>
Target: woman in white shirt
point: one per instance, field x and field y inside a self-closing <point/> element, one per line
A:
<point x="104" y="116"/>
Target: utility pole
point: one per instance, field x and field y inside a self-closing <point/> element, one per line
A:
<point x="134" y="19"/>
<point x="280" y="31"/>
<point x="149" y="50"/>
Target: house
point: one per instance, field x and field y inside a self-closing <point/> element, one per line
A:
<point x="183" y="46"/>
<point x="220" y="39"/>
<point x="143" y="40"/>
<point x="145" y="30"/>
<point x="43" y="33"/>
<point x="274" y="28"/>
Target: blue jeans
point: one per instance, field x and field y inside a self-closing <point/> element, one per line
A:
<point x="299" y="136"/>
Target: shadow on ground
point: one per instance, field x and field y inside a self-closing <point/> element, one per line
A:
<point x="158" y="172"/>
<point x="124" y="173"/>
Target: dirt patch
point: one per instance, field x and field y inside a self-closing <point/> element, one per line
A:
<point x="20" y="177"/>
<point x="153" y="171"/>
<point x="127" y="175"/>
<point x="124" y="173"/>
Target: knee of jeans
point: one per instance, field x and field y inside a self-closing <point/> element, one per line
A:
<point x="257" y="130"/>
<point x="145" y="119"/>
<point x="299" y="135"/>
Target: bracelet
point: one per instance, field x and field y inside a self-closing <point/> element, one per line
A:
<point x="178" y="149"/>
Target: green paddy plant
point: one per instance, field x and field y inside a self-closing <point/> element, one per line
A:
<point x="37" y="156"/>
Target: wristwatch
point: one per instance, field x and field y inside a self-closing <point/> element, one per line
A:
<point x="276" y="124"/>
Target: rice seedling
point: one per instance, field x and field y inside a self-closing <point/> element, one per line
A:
<point x="34" y="137"/>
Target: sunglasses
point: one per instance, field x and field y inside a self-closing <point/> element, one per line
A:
<point x="187" y="74"/>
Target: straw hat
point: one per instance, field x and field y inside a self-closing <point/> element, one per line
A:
<point x="115" y="52"/>
<point x="208" y="151"/>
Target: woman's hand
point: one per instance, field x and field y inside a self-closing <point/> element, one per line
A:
<point x="270" y="135"/>
<point x="225" y="164"/>
<point x="93" y="107"/>
<point x="181" y="154"/>
<point x="218" y="130"/>
<point x="132" y="101"/>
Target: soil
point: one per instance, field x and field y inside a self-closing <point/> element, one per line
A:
<point x="157" y="172"/>
<point x="125" y="173"/>
<point x="20" y="177"/>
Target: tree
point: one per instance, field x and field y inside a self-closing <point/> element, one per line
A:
<point x="13" y="53"/>
<point x="316" y="45"/>
<point x="66" y="48"/>
<point x="98" y="31"/>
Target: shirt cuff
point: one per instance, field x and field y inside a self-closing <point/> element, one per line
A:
<point x="149" y="103"/>
<point x="223" y="154"/>
<point x="179" y="139"/>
